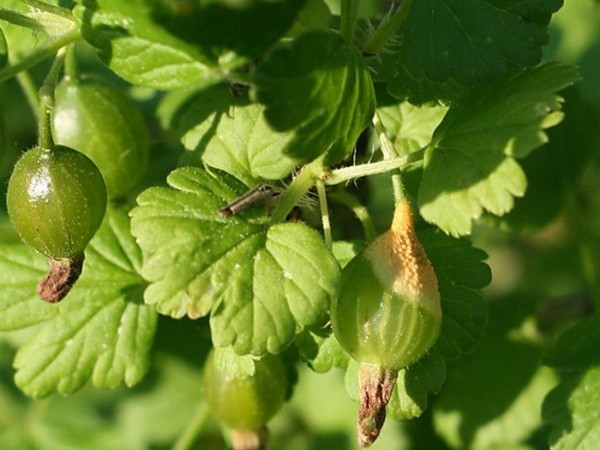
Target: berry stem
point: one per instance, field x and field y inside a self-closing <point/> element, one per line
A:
<point x="40" y="54"/>
<point x="359" y="210"/>
<point x="324" y="213"/>
<point x="47" y="102"/>
<point x="389" y="153"/>
<point x="349" y="16"/>
<point x="30" y="90"/>
<point x="296" y="190"/>
<point x="71" y="68"/>
<point x="386" y="29"/>
<point x="188" y="438"/>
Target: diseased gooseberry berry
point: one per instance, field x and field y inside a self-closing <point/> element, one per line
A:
<point x="246" y="404"/>
<point x="387" y="314"/>
<point x="97" y="119"/>
<point x="56" y="201"/>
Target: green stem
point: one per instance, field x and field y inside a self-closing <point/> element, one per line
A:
<point x="30" y="90"/>
<point x="295" y="191"/>
<point x="45" y="140"/>
<point x="40" y="54"/>
<point x="349" y="16"/>
<point x="590" y="270"/>
<point x="389" y="153"/>
<point x="359" y="210"/>
<point x="52" y="9"/>
<point x="20" y="19"/>
<point x="386" y="29"/>
<point x="71" y="68"/>
<point x="191" y="432"/>
<point x="324" y="213"/>
<point x="345" y="174"/>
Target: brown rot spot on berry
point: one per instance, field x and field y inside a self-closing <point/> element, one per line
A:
<point x="63" y="274"/>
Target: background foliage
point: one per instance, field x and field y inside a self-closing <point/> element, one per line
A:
<point x="528" y="382"/>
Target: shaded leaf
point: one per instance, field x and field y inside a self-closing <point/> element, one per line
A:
<point x="319" y="87"/>
<point x="572" y="410"/>
<point x="473" y="41"/>
<point x="139" y="50"/>
<point x="231" y="134"/>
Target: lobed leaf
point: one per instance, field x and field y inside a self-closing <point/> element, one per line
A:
<point x="410" y="127"/>
<point x="414" y="384"/>
<point x="321" y="350"/>
<point x="139" y="50"/>
<point x="318" y="86"/>
<point x="231" y="134"/>
<point x="576" y="349"/>
<point x="260" y="284"/>
<point x="572" y="410"/>
<point x="172" y="45"/>
<point x="472" y="41"/>
<point x="20" y="307"/>
<point x="471" y="163"/>
<point x="102" y="331"/>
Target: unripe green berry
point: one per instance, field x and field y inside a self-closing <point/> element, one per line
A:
<point x="246" y="403"/>
<point x="56" y="200"/>
<point x="98" y="120"/>
<point x="387" y="315"/>
<point x="388" y="310"/>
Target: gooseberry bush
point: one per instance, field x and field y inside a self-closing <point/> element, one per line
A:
<point x="275" y="224"/>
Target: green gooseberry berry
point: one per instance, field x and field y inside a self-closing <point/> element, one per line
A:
<point x="246" y="403"/>
<point x="387" y="314"/>
<point x="56" y="200"/>
<point x="100" y="121"/>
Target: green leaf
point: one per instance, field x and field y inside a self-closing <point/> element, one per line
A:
<point x="20" y="307"/>
<point x="172" y="45"/>
<point x="260" y="284"/>
<point x="472" y="41"/>
<point x="553" y="170"/>
<point x="500" y="386"/>
<point x="155" y="414"/>
<point x="231" y="134"/>
<point x="139" y="50"/>
<point x="576" y="348"/>
<point x="224" y="30"/>
<point x="319" y="87"/>
<point x="321" y="350"/>
<point x="410" y="127"/>
<point x="470" y="166"/>
<point x="102" y="331"/>
<point x="461" y="272"/>
<point x="572" y="410"/>
<point x="233" y="365"/>
<point x="414" y="384"/>
<point x="3" y="50"/>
